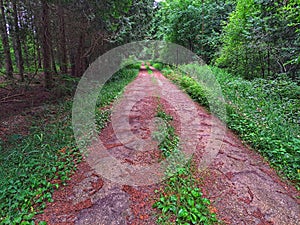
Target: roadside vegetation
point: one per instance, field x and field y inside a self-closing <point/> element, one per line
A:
<point x="263" y="112"/>
<point x="33" y="167"/>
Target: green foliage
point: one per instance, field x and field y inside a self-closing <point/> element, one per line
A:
<point x="191" y="24"/>
<point x="136" y="66"/>
<point x="102" y="117"/>
<point x="131" y="63"/>
<point x="167" y="137"/>
<point x="196" y="91"/>
<point x="262" y="39"/>
<point x="114" y="87"/>
<point x="203" y="89"/>
<point x="265" y="113"/>
<point x="29" y="164"/>
<point x="134" y="23"/>
<point x="158" y="66"/>
<point x="148" y="68"/>
<point x="180" y="200"/>
<point x="4" y="84"/>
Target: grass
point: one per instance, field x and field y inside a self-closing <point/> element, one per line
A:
<point x="148" y="68"/>
<point x="180" y="201"/>
<point x="264" y="113"/>
<point x="29" y="164"/>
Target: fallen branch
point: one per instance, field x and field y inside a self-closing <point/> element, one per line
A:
<point x="12" y="100"/>
<point x="11" y="96"/>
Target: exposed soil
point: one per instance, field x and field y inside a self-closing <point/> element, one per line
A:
<point x="242" y="187"/>
<point x="19" y="104"/>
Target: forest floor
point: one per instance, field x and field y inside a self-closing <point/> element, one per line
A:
<point x="17" y="105"/>
<point x="21" y="103"/>
<point x="241" y="186"/>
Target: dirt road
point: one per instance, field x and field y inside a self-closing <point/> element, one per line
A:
<point x="241" y="186"/>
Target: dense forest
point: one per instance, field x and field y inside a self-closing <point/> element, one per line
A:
<point x="65" y="36"/>
<point x="250" y="38"/>
<point x="252" y="47"/>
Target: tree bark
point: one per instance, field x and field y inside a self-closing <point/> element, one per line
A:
<point x="202" y="29"/>
<point x="62" y="41"/>
<point x="79" y="59"/>
<point x="46" y="45"/>
<point x="72" y="61"/>
<point x="19" y="54"/>
<point x="53" y="61"/>
<point x="5" y="42"/>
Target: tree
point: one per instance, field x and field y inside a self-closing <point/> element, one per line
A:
<point x="46" y="44"/>
<point x="63" y="33"/>
<point x="197" y="25"/>
<point x="19" y="54"/>
<point x="5" y="42"/>
<point x="135" y="23"/>
<point x="261" y="39"/>
<point x="62" y="38"/>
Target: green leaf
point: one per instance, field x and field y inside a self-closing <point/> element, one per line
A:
<point x="182" y="213"/>
<point x="42" y="223"/>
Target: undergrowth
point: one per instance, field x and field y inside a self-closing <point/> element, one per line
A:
<point x="181" y="200"/>
<point x="28" y="165"/>
<point x="265" y="114"/>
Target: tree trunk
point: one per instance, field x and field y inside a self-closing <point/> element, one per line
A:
<point x="62" y="41"/>
<point x="262" y="63"/>
<point x="46" y="44"/>
<point x="23" y="26"/>
<point x="202" y="32"/>
<point x="37" y="43"/>
<point x="39" y="56"/>
<point x="72" y="61"/>
<point x="20" y="60"/>
<point x="79" y="60"/>
<point x="5" y="42"/>
<point x="53" y="61"/>
<point x="26" y="54"/>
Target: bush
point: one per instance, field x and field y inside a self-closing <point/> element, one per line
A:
<point x="158" y="66"/>
<point x="131" y="63"/>
<point x="136" y="65"/>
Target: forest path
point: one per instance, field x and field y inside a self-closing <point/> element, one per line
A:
<point x="241" y="186"/>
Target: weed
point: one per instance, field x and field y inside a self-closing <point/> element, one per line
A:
<point x="180" y="200"/>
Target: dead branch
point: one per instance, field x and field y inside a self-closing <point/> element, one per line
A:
<point x="11" y="96"/>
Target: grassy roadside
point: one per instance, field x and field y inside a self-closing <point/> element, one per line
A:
<point x="29" y="165"/>
<point x="180" y="200"/>
<point x="264" y="113"/>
